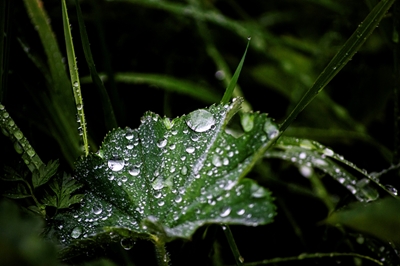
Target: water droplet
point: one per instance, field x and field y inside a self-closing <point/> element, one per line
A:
<point x="257" y="191"/>
<point x="200" y="120"/>
<point x="158" y="183"/>
<point x="129" y="136"/>
<point x="97" y="209"/>
<point x="18" y="135"/>
<point x="111" y="177"/>
<point x="216" y="160"/>
<point x="391" y="189"/>
<point x="31" y="152"/>
<point x="247" y="121"/>
<point x="220" y="75"/>
<point x="178" y="199"/>
<point x="241" y="212"/>
<point x="184" y="170"/>
<point x="79" y="107"/>
<point x="76" y="232"/>
<point x="302" y="155"/>
<point x="172" y="147"/>
<point x="127" y="243"/>
<point x="162" y="143"/>
<point x="306" y="171"/>
<point x="18" y="148"/>
<point x="225" y="161"/>
<point x="161" y="203"/>
<point x="134" y="171"/>
<point x="271" y="129"/>
<point x="190" y="149"/>
<point x="225" y="211"/>
<point x="328" y="152"/>
<point x="75" y="84"/>
<point x="116" y="165"/>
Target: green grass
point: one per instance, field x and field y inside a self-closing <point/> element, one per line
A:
<point x="324" y="70"/>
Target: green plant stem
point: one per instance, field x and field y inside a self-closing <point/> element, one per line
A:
<point x="231" y="241"/>
<point x="161" y="253"/>
<point x="73" y="71"/>
<point x="312" y="256"/>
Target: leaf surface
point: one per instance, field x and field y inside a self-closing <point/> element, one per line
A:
<point x="167" y="178"/>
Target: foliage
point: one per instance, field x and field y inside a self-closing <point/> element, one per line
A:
<point x="175" y="183"/>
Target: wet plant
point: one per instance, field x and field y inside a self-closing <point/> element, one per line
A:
<point x="190" y="186"/>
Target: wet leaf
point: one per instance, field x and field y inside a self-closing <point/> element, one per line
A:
<point x="18" y="191"/>
<point x="63" y="189"/>
<point x="167" y="178"/>
<point x="45" y="172"/>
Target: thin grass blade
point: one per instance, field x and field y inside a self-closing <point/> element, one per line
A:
<point x="232" y="84"/>
<point x="73" y="71"/>
<point x="341" y="58"/>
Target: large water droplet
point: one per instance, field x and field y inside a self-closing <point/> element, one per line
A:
<point x="247" y="121"/>
<point x="190" y="149"/>
<point x="134" y="171"/>
<point x="116" y="165"/>
<point x="200" y="120"/>
<point x="76" y="232"/>
<point x="184" y="170"/>
<point x="158" y="183"/>
<point x="216" y="160"/>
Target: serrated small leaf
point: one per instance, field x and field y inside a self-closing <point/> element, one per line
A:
<point x="168" y="179"/>
<point x="45" y="172"/>
<point x="63" y="189"/>
<point x="17" y="192"/>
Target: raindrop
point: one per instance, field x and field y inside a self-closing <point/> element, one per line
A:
<point x="302" y="155"/>
<point x="241" y="212"/>
<point x="225" y="211"/>
<point x="31" y="152"/>
<point x="18" y="135"/>
<point x="162" y="143"/>
<point x="18" y="148"/>
<point x="225" y="161"/>
<point x="116" y="165"/>
<point x="391" y="189"/>
<point x="328" y="152"/>
<point x="271" y="129"/>
<point x="216" y="161"/>
<point x="129" y="136"/>
<point x="178" y="199"/>
<point x="75" y="84"/>
<point x="306" y="171"/>
<point x="200" y="120"/>
<point x="97" y="209"/>
<point x="172" y="147"/>
<point x="79" y="107"/>
<point x="257" y="191"/>
<point x="190" y="149"/>
<point x="158" y="183"/>
<point x="184" y="170"/>
<point x="76" y="232"/>
<point x="127" y="243"/>
<point x="220" y="75"/>
<point x="134" y="171"/>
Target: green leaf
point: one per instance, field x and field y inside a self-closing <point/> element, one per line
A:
<point x="161" y="182"/>
<point x="380" y="218"/>
<point x="45" y="172"/>
<point x="18" y="191"/>
<point x="63" y="188"/>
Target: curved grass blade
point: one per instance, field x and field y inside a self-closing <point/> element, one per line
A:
<point x="168" y="84"/>
<point x="232" y="84"/>
<point x="341" y="58"/>
<point x="73" y="71"/>
<point x="108" y="110"/>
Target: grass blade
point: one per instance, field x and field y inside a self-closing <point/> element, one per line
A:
<point x="232" y="84"/>
<point x="341" y="58"/>
<point x="108" y="110"/>
<point x="73" y="71"/>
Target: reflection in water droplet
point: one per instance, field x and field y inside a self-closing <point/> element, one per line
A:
<point x="271" y="129"/>
<point x="328" y="152"/>
<point x="391" y="189"/>
<point x="257" y="191"/>
<point x="225" y="211"/>
<point x="76" y="232"/>
<point x="158" y="183"/>
<point x="200" y="120"/>
<point x="116" y="165"/>
<point x="241" y="212"/>
<point x="216" y="160"/>
<point x="134" y="171"/>
<point x="178" y="199"/>
<point x="184" y="170"/>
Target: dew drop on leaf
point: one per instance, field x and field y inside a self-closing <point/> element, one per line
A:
<point x="134" y="171"/>
<point x="271" y="129"/>
<point x="184" y="170"/>
<point x="190" y="149"/>
<point x="127" y="243"/>
<point x="76" y="232"/>
<point x="225" y="211"/>
<point x="97" y="209"/>
<point x="216" y="160"/>
<point x="162" y="143"/>
<point x="116" y="165"/>
<point x="241" y="212"/>
<point x="200" y="120"/>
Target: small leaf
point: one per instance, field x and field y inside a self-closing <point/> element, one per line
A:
<point x="45" y="172"/>
<point x="164" y="181"/>
<point x="17" y="192"/>
<point x="63" y="188"/>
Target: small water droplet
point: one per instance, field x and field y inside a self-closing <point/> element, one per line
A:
<point x="158" y="183"/>
<point x="178" y="199"/>
<point x="115" y="165"/>
<point x="76" y="232"/>
<point x="127" y="243"/>
<point x="190" y="149"/>
<point x="241" y="212"/>
<point x="75" y="84"/>
<point x="97" y="209"/>
<point x="391" y="189"/>
<point x="200" y="120"/>
<point x="257" y="191"/>
<point x="129" y="136"/>
<point x="172" y="147"/>
<point x="225" y="211"/>
<point x="162" y="143"/>
<point x="271" y="129"/>
<point x="79" y="107"/>
<point x="18" y="135"/>
<point x="328" y="152"/>
<point x="220" y="75"/>
<point x="134" y="171"/>
<point x="216" y="161"/>
<point x="31" y="152"/>
<point x="184" y="170"/>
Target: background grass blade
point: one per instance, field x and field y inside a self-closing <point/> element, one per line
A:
<point x="348" y="50"/>
<point x="108" y="110"/>
<point x="73" y="71"/>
